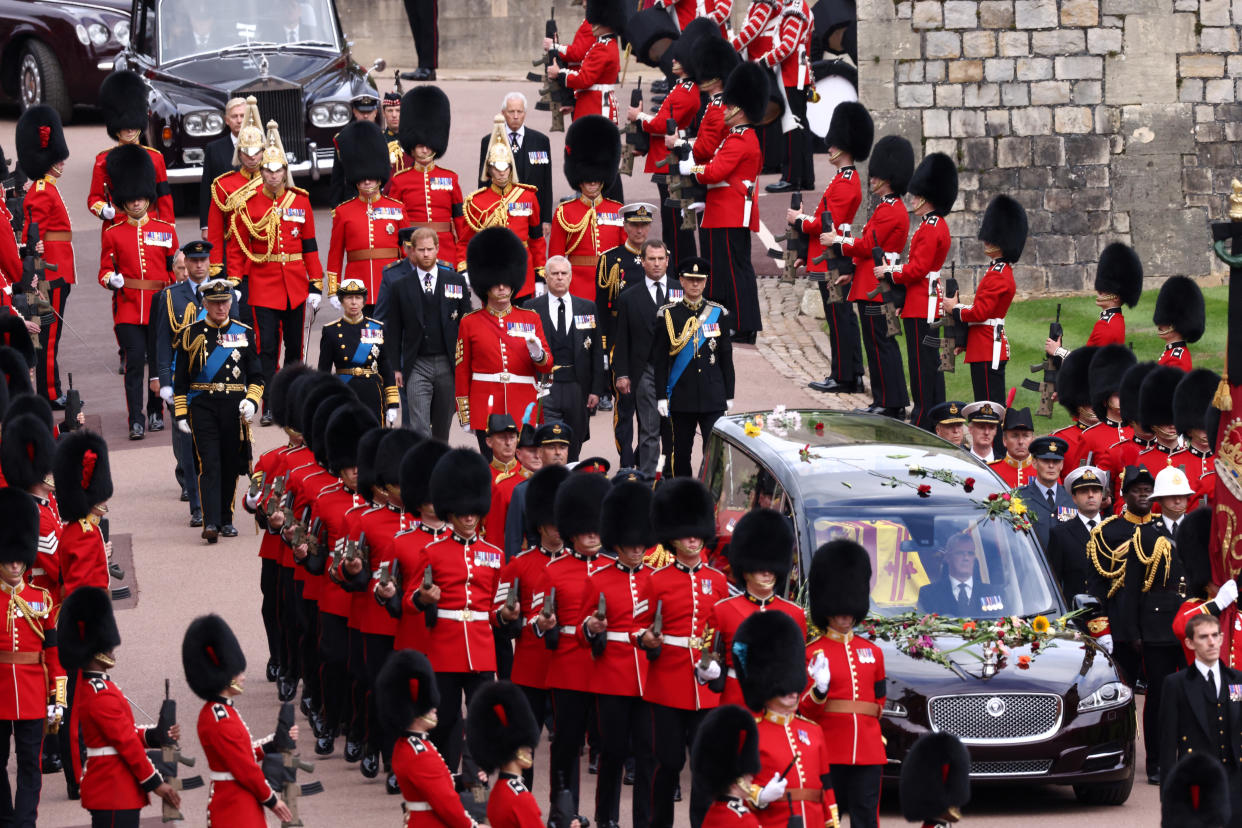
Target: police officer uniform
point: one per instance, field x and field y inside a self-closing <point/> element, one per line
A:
<point x="354" y="350"/>
<point x="1179" y="307"/>
<point x="583" y="228"/>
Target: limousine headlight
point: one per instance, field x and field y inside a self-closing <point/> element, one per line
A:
<point x="1112" y="694"/>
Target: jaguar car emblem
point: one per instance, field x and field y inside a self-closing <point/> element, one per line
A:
<point x="995" y="707"/>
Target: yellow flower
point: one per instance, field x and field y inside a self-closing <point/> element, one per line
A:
<point x="1016" y="506"/>
<point x="1040" y="624"/>
<point x="751" y="429"/>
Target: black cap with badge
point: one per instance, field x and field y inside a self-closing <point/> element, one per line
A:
<point x="555" y="432"/>
<point x="364" y="102"/>
<point x="1049" y="448"/>
<point x="197" y="249"/>
<point x="500" y="424"/>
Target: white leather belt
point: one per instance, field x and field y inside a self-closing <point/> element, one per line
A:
<point x="731" y="673"/>
<point x="569" y="630"/>
<point x="415" y="806"/>
<point x="463" y="615"/>
<point x="716" y="185"/>
<point x="933" y="296"/>
<point x="220" y="776"/>
<point x="602" y="87"/>
<point x="623" y="637"/>
<point x="996" y="340"/>
<point x="38" y="570"/>
<point x="505" y="377"/>
<point x="677" y="641"/>
<point x="992" y="322"/>
<point x="103" y="751"/>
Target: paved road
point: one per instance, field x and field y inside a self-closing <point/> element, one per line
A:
<point x="179" y="577"/>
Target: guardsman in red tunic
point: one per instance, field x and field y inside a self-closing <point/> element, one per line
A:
<point x="725" y="758"/>
<point x="415" y="474"/>
<point x="760" y="554"/>
<point x="215" y="670"/>
<point x="499" y="347"/>
<point x="585" y="226"/>
<point x="1105" y="369"/>
<point x="1074" y="395"/>
<point x="934" y="188"/>
<point x="684" y="593"/>
<point x="847" y="691"/>
<point x="118" y="777"/>
<point x="1118" y="281"/>
<point x="1190" y="404"/>
<point x="430" y="195"/>
<point x="788" y="53"/>
<point x="1180" y="320"/>
<point x="713" y="61"/>
<point x="277" y="255"/>
<point x="390" y="105"/>
<point x="123" y="101"/>
<point x="1016" y="468"/>
<point x="41" y="153"/>
<point x="849" y="140"/>
<point x="408" y="698"/>
<point x="135" y="263"/>
<point x="1003" y="233"/>
<point x="794" y="778"/>
<point x="502" y="732"/>
<point x="32" y="683"/>
<point x="27" y="457"/>
<point x="1156" y="416"/>
<point x="594" y="81"/>
<point x="83" y="487"/>
<point x="10" y="258"/>
<point x="890" y="170"/>
<point x="231" y="189"/>
<point x="686" y="11"/>
<point x="507" y="473"/>
<point x="755" y="35"/>
<point x="1204" y="596"/>
<point x="1125" y="452"/>
<point x="364" y="229"/>
<point x="506" y="203"/>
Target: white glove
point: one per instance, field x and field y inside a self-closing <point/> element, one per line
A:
<point x="772" y="791"/>
<point x="390" y="417"/>
<point x="55" y="713"/>
<point x="540" y="288"/>
<point x="108" y="212"/>
<point x="662" y="407"/>
<point x="334" y="301"/>
<point x="246" y="409"/>
<point x="534" y="349"/>
<point x="710" y="674"/>
<point x="313" y="299"/>
<point x="252" y="501"/>
<point x="686" y="166"/>
<point x="1226" y="595"/>
<point x="183" y="426"/>
<point x="115" y="280"/>
<point x="236" y="295"/>
<point x="820" y="672"/>
<point x="1106" y="641"/>
<point x="728" y="405"/>
<point x="166" y="394"/>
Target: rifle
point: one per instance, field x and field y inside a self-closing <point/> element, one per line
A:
<point x="315" y="559"/>
<point x="431" y="612"/>
<point x="281" y="766"/>
<point x="114" y="569"/>
<point x="30" y="295"/>
<point x="73" y="406"/>
<point x="297" y="529"/>
<point x="552" y="91"/>
<point x="656" y="628"/>
<point x="953" y="335"/>
<point x="552" y="637"/>
<point x="680" y="191"/>
<point x="1047" y="387"/>
<point x="600" y="641"/>
<point x="884" y="289"/>
<point x="793" y="242"/>
<point x="636" y="140"/>
<point x="275" y="497"/>
<point x="511" y="599"/>
<point x="256" y="483"/>
<point x="13" y="190"/>
<point x="169" y="755"/>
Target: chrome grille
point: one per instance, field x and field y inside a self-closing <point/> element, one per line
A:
<point x="1022" y="767"/>
<point x="285" y="107"/>
<point x="997" y="718"/>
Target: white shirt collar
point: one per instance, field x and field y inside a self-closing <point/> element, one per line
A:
<point x="521" y="133"/>
<point x="1204" y="669"/>
<point x="651" y="283"/>
<point x="969" y="582"/>
<point x="987" y="458"/>
<point x="1084" y="519"/>
<point x="1169" y="522"/>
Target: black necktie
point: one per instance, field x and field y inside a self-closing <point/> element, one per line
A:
<point x="1052" y="502"/>
<point x="513" y="141"/>
<point x="659" y="286"/>
<point x="963" y="600"/>
<point x="560" y="315"/>
<point x="427" y="283"/>
<point x="1213" y="694"/>
<point x="1091" y="524"/>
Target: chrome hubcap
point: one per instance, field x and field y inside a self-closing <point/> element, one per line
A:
<point x="31" y="81"/>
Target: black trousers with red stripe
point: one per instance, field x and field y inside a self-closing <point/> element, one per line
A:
<point x="425" y="26"/>
<point x="926" y="381"/>
<point x="624" y="730"/>
<point x="733" y="282"/>
<point x="571" y="714"/>
<point x="379" y="739"/>
<point x="988" y="384"/>
<point x="134" y="342"/>
<point x="672" y="733"/>
<point x="47" y="375"/>
<point x="334" y="676"/>
<point x="847" y="361"/>
<point x="888" y="384"/>
<point x="455" y="689"/>
<point x="271" y="326"/>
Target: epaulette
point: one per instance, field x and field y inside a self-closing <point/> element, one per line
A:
<point x="932" y="219"/>
<point x="294" y="189"/>
<point x="476" y="192"/>
<point x="220" y="711"/>
<point x="517" y="786"/>
<point x="723" y="310"/>
<point x="687" y="84"/>
<point x="418" y="744"/>
<point x="531" y="187"/>
<point x="333" y="322"/>
<point x="665" y="307"/>
<point x="87" y="525"/>
<point x="98" y="684"/>
<point x="998" y="266"/>
<point x="376" y="321"/>
<point x="802" y="718"/>
<point x="40" y="185"/>
<point x="847" y="174"/>
<point x="237" y="322"/>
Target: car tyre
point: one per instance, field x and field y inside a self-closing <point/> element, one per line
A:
<point x="40" y="80"/>
<point x="1106" y="793"/>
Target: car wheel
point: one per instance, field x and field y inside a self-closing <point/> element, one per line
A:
<point x="41" y="81"/>
<point x="1106" y="793"/>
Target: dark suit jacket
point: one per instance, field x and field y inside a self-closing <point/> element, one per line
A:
<point x="217" y="160"/>
<point x="1067" y="556"/>
<point x="404" y="314"/>
<point x="533" y="161"/>
<point x="634" y="330"/>
<point x="1033" y="496"/>
<point x="938" y="597"/>
<point x="588" y="364"/>
<point x="161" y="358"/>
<point x="1185" y="723"/>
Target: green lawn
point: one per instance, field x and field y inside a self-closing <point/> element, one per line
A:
<point x="1027" y="328"/>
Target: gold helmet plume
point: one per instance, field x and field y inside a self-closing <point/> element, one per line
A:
<point x="498" y="151"/>
<point x="274" y="150"/>
<point x="250" y="139"/>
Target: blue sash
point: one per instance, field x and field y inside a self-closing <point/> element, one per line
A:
<point x="682" y="360"/>
<point x="214" y="362"/>
<point x="363" y="353"/>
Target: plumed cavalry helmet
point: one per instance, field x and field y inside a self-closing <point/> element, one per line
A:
<point x="499" y="153"/>
<point x="274" y="157"/>
<point x="250" y="138"/>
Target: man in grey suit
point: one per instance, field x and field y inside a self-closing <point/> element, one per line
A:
<point x="420" y="313"/>
<point x="532" y="155"/>
<point x="1045" y="496"/>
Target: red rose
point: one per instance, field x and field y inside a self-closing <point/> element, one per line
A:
<point x="993" y="496"/>
<point x="968" y="484"/>
<point x="819" y="428"/>
<point x="925" y="490"/>
<point x="1007" y="496"/>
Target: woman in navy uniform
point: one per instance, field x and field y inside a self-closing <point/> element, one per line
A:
<point x="352" y="347"/>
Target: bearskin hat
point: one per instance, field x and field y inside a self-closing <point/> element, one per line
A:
<point x="425" y="118"/>
<point x="324" y="387"/>
<point x="278" y="391"/>
<point x="763" y="541"/>
<point x="327" y="404"/>
<point x="461" y="484"/>
<point x="392" y="450"/>
<point x="1195" y="794"/>
<point x="211" y="656"/>
<point x="1120" y="273"/>
<point x="368" y="445"/>
<point x="540" y="508"/>
<point x="1131" y="385"/>
<point x="363" y="151"/>
<point x="15" y="372"/>
<point x="935" y="180"/>
<point x="578" y="506"/>
<point x="684" y="50"/>
<point x="405" y="689"/>
<point x="1074" y="379"/>
<point x="299" y="387"/>
<point x="415" y="473"/>
<point x="749" y="88"/>
<point x="1192" y="398"/>
<point x="1194" y="536"/>
<point x="83" y="474"/>
<point x="19" y="531"/>
<point x="892" y="160"/>
<point x="1156" y="396"/>
<point x="86" y="627"/>
<point x="13" y="334"/>
<point x="769" y="655"/>
<point x="725" y="749"/>
<point x="40" y="141"/>
<point x="27" y="451"/>
<point x="1004" y="225"/>
<point x="610" y="13"/>
<point x="625" y="517"/>
<point x="32" y="404"/>
<point x="496" y="256"/>
<point x="345" y="428"/>
<point x="4" y="400"/>
<point x="132" y="174"/>
<point x="1105" y="370"/>
<point x="1179" y="305"/>
<point x="713" y="59"/>
<point x="851" y="130"/>
<point x="683" y="508"/>
<point x="840" y="582"/>
<point x="592" y="151"/>
<point x="935" y="778"/>
<point x="123" y="102"/>
<point x="499" y="723"/>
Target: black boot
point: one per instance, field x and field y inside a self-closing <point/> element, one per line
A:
<point x="370" y="765"/>
<point x="353" y="750"/>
